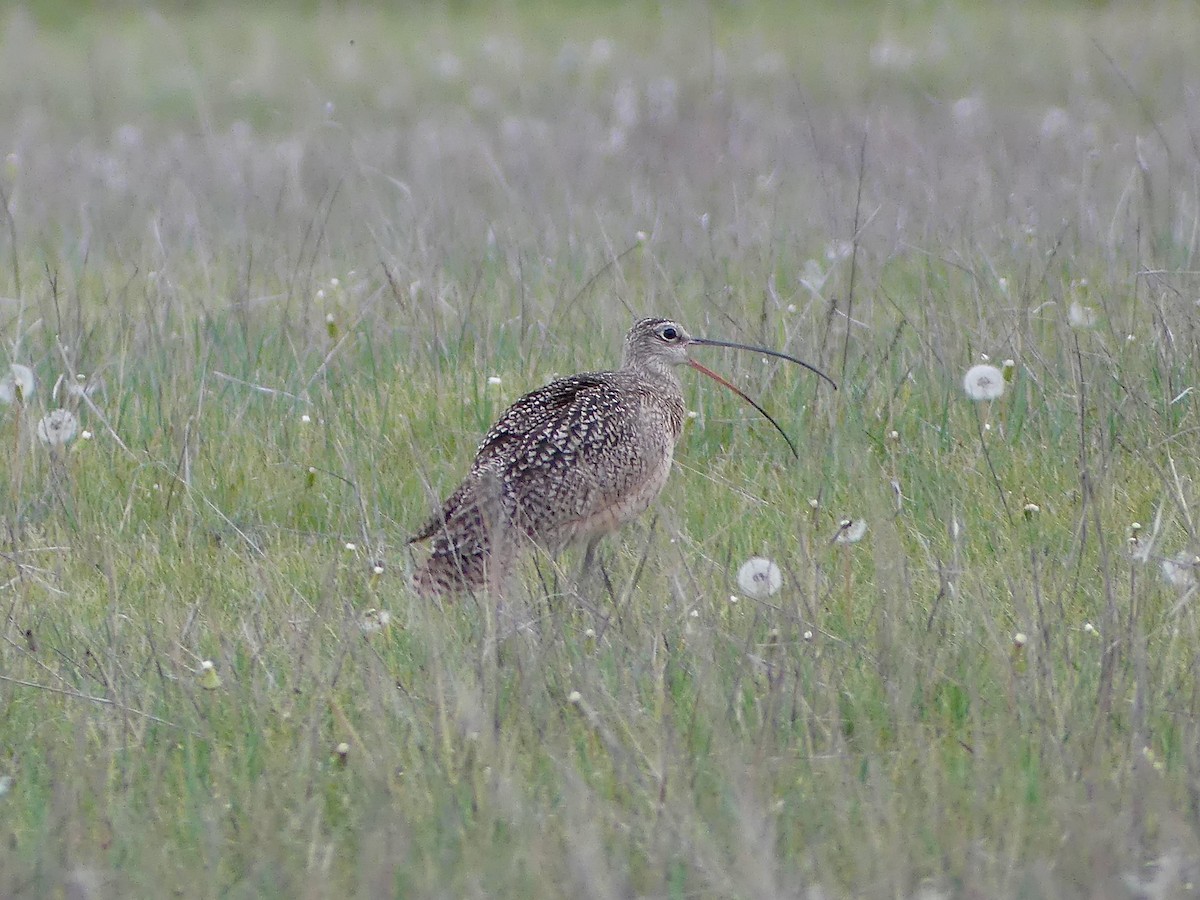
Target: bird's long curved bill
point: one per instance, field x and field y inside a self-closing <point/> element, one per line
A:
<point x="766" y="415"/>
<point x="715" y="377"/>
<point x="763" y="350"/>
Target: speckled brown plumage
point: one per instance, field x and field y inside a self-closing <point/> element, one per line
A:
<point x="571" y="461"/>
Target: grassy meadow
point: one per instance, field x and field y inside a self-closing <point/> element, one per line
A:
<point x="285" y="266"/>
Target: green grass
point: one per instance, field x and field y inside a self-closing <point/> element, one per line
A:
<point x="475" y="180"/>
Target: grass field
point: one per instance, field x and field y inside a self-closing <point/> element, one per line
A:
<point x="274" y="262"/>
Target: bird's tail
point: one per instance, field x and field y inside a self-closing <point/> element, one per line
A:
<point x="473" y="550"/>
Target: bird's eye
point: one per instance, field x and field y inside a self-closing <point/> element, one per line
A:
<point x="669" y="333"/>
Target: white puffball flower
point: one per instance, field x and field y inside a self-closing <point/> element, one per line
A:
<point x="17" y="384"/>
<point x="57" y="427"/>
<point x="374" y="621"/>
<point x="759" y="578"/>
<point x="984" y="382"/>
<point x="851" y="531"/>
<point x="1080" y="316"/>
<point x="1180" y="571"/>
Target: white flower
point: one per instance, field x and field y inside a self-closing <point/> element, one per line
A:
<point x="351" y="546"/>
<point x="759" y="578"/>
<point x="57" y="427"/>
<point x="375" y="621"/>
<point x="305" y="418"/>
<point x="839" y="250"/>
<point x="1080" y="316"/>
<point x="851" y="531"/>
<point x="17" y="384"/>
<point x="1180" y="570"/>
<point x="209" y="679"/>
<point x="495" y="379"/>
<point x="813" y="277"/>
<point x="966" y="108"/>
<point x="983" y="382"/>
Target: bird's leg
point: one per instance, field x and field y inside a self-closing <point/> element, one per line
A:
<point x="589" y="556"/>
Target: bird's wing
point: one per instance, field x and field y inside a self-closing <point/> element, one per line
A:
<point x="521" y="428"/>
<point x="541" y="412"/>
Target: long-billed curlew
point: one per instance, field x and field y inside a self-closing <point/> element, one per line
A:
<point x="571" y="461"/>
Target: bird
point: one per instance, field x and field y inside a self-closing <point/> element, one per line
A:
<point x="570" y="462"/>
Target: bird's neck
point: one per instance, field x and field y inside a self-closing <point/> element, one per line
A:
<point x="661" y="375"/>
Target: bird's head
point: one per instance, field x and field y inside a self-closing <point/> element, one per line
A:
<point x="655" y="345"/>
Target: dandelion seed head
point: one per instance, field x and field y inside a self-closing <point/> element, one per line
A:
<point x="1080" y="316"/>
<point x="306" y="418"/>
<point x="377" y="570"/>
<point x="839" y="250"/>
<point x="495" y="379"/>
<point x="759" y="578"/>
<point x="984" y="382"/>
<point x="209" y="679"/>
<point x="17" y="384"/>
<point x="374" y="621"/>
<point x="85" y="435"/>
<point x="321" y="296"/>
<point x="342" y="749"/>
<point x="1020" y="639"/>
<point x="691" y="414"/>
<point x="1179" y="571"/>
<point x="1089" y="628"/>
<point x="351" y="546"/>
<point x="574" y="697"/>
<point x="808" y="635"/>
<point x="57" y="427"/>
<point x="851" y="531"/>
